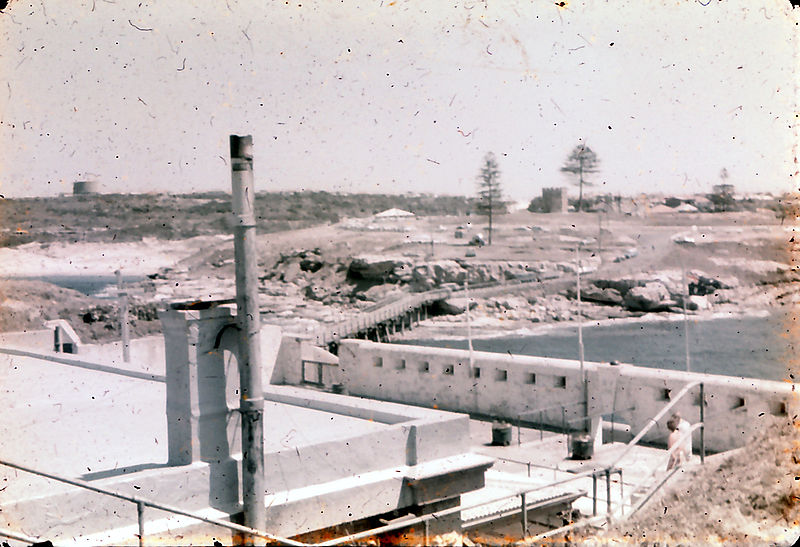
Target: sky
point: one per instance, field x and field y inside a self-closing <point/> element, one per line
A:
<point x="397" y="96"/>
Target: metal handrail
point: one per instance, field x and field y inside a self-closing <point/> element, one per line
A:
<point x="373" y="315"/>
<point x="376" y="315"/>
<point x="596" y="414"/>
<point x="425" y="519"/>
<point x="678" y="445"/>
<point x="540" y="412"/>
<point x="19" y="537"/>
<point x="594" y="473"/>
<point x="546" y="408"/>
<point x="654" y="420"/>
<point x="141" y="503"/>
<point x="530" y="464"/>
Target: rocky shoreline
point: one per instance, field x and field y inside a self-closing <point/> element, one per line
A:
<point x="499" y="316"/>
<point x="512" y="295"/>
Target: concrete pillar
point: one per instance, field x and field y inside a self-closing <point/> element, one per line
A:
<point x="202" y="406"/>
<point x="197" y="410"/>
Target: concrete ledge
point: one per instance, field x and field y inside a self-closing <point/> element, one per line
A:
<point x="323" y="505"/>
<point x="54" y="357"/>
<point x="510" y="386"/>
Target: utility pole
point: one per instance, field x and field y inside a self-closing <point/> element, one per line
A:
<point x="251" y="398"/>
<point x="685" y="319"/>
<point x="584" y="380"/>
<point x="600" y="235"/>
<point x="124" y="326"/>
<point x="469" y="330"/>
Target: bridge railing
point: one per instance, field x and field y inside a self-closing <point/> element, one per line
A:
<point x="365" y="321"/>
<point x="141" y="503"/>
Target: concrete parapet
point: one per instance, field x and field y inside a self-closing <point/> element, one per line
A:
<point x="513" y="387"/>
<point x="58" y="336"/>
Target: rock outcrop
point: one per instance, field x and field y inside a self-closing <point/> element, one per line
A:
<point x="603" y="296"/>
<point x="380" y="269"/>
<point x="653" y="296"/>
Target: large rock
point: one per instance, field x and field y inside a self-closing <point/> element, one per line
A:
<point x="704" y="284"/>
<point x="652" y="296"/>
<point x="603" y="296"/>
<point x="448" y="271"/>
<point x="485" y="273"/>
<point x="622" y="285"/>
<point x="451" y="306"/>
<point x="507" y="303"/>
<point x="695" y="302"/>
<point x="383" y="269"/>
<point x="435" y="274"/>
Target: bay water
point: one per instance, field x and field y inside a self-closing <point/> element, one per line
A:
<point x="745" y="346"/>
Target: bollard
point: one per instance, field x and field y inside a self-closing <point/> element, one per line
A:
<point x="702" y="427"/>
<point x="140" y="521"/>
<point x="524" y="513"/>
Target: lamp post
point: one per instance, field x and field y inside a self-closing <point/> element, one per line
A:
<point x="251" y="393"/>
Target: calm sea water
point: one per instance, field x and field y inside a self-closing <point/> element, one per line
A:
<point x="91" y="285"/>
<point x="753" y="347"/>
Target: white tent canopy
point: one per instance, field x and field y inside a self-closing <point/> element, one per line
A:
<point x="394" y="213"/>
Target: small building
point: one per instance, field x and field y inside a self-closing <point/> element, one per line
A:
<point x="554" y="200"/>
<point x="82" y="187"/>
<point x="723" y="189"/>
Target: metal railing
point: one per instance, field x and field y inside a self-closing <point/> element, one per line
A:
<point x="539" y="412"/>
<point x="19" y="537"/>
<point x="568" y="430"/>
<point x="598" y="520"/>
<point x="425" y="520"/>
<point x="654" y="420"/>
<point x="141" y="503"/>
<point x="654" y="488"/>
<point x="365" y="321"/>
<point x="383" y="311"/>
<point x="605" y="472"/>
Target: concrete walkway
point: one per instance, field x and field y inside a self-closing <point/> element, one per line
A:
<point x="541" y="460"/>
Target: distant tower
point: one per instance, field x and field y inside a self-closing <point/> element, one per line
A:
<point x="554" y="200"/>
<point x="86" y="187"/>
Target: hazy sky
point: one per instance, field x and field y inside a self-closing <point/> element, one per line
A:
<point x="396" y="96"/>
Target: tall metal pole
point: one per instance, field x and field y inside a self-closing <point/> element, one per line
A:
<point x="584" y="380"/>
<point x="123" y="318"/>
<point x="685" y="320"/>
<point x="251" y="400"/>
<point x="702" y="421"/>
<point x="600" y="235"/>
<point x="469" y="328"/>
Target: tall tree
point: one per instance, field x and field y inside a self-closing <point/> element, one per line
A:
<point x="490" y="196"/>
<point x="581" y="160"/>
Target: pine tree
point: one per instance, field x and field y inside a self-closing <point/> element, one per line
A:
<point x="490" y="196"/>
<point x="581" y="160"/>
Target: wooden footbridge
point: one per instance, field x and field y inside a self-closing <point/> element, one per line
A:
<point x="381" y="321"/>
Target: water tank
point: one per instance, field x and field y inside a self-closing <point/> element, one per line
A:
<point x="501" y="434"/>
<point x="581" y="446"/>
<point x="85" y="187"/>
